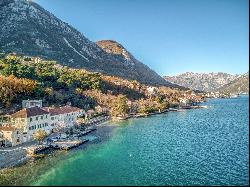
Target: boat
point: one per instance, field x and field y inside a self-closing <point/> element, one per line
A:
<point x="235" y="96"/>
<point x="121" y="117"/>
<point x="203" y="106"/>
<point x="173" y="109"/>
<point x="186" y="107"/>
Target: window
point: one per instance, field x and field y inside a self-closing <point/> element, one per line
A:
<point x="41" y="117"/>
<point x="52" y="118"/>
<point x="31" y="119"/>
<point x="46" y="116"/>
<point x="36" y="118"/>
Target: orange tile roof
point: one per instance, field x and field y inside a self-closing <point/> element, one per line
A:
<point x="61" y="110"/>
<point x="28" y="112"/>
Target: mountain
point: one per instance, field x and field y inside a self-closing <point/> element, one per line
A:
<point x="202" y="81"/>
<point x="120" y="54"/>
<point x="28" y="29"/>
<point x="238" y="85"/>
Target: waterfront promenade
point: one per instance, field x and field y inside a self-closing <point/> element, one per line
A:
<point x="13" y="156"/>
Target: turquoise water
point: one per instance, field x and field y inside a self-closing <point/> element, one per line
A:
<point x="196" y="147"/>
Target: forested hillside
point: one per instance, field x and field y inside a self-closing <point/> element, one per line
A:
<point x="25" y="77"/>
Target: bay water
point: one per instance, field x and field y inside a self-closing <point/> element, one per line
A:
<point x="208" y="146"/>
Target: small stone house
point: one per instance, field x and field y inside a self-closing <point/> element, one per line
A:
<point x="10" y="136"/>
<point x="152" y="90"/>
<point x="101" y="109"/>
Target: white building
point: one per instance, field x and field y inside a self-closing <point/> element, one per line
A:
<point x="33" y="117"/>
<point x="10" y="136"/>
<point x="184" y="101"/>
<point x="31" y="103"/>
<point x="152" y="90"/>
<point x="30" y="120"/>
<point x="64" y="117"/>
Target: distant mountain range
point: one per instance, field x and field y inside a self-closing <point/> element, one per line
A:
<point x="28" y="29"/>
<point x="202" y="81"/>
<point x="238" y="85"/>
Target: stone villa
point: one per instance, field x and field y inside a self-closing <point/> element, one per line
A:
<point x="32" y="117"/>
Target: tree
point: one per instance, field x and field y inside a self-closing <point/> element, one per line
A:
<point x="12" y="87"/>
<point x="163" y="105"/>
<point x="39" y="135"/>
<point x="120" y="106"/>
<point x="161" y="102"/>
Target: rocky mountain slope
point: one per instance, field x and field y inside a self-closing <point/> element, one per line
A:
<point x="202" y="81"/>
<point x="28" y="29"/>
<point x="239" y="85"/>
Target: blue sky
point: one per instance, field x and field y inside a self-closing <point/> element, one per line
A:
<point x="170" y="36"/>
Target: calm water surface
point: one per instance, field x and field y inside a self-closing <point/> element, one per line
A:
<point x="195" y="147"/>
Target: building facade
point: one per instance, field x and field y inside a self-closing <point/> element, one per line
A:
<point x="10" y="136"/>
<point x="29" y="120"/>
<point x="31" y="103"/>
<point x="32" y="117"/>
<point x="64" y="117"/>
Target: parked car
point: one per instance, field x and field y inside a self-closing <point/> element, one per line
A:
<point x="75" y="135"/>
<point x="63" y="136"/>
<point x="54" y="139"/>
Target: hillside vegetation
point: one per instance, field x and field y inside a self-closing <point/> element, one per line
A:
<point x="30" y="78"/>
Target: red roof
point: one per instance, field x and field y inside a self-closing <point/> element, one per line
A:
<point x="61" y="110"/>
<point x="28" y="112"/>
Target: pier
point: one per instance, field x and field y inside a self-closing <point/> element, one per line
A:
<point x="68" y="144"/>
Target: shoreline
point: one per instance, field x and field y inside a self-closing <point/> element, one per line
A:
<point x="17" y="156"/>
<point x="35" y="171"/>
<point x="24" y="170"/>
<point x="23" y="158"/>
<point x="141" y="115"/>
